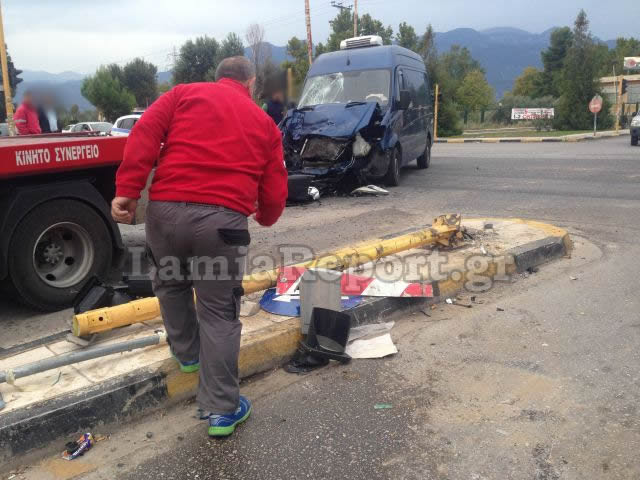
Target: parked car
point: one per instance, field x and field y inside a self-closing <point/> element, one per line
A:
<point x="102" y="127"/>
<point x="69" y="128"/>
<point x="635" y="129"/>
<point x="123" y="125"/>
<point x="365" y="112"/>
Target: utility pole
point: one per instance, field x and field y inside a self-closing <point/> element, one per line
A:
<point x="6" y="85"/>
<point x="307" y="12"/>
<point x="355" y="18"/>
<point x="615" y="81"/>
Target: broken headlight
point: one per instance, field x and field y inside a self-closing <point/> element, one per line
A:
<point x="361" y="147"/>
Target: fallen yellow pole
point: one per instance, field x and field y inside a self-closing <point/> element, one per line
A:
<point x="442" y="230"/>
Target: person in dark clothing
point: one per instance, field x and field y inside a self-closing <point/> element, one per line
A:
<point x="275" y="106"/>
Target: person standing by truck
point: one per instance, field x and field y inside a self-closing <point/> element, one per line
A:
<point x="26" y="117"/>
<point x="222" y="160"/>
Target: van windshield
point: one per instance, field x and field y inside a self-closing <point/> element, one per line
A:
<point x="345" y="87"/>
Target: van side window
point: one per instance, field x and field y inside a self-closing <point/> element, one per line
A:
<point x="416" y="83"/>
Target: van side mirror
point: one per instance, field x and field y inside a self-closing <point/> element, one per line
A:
<point x="405" y="99"/>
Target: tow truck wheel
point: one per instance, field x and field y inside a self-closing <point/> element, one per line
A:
<point x="55" y="249"/>
<point x="392" y="178"/>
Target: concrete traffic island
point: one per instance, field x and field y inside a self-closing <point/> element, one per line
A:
<point x="45" y="407"/>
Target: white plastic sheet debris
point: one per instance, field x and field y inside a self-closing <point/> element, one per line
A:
<point x="371" y="341"/>
<point x="376" y="347"/>
<point x="372" y="190"/>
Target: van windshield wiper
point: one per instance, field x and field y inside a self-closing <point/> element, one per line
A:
<point x="354" y="103"/>
<point x="306" y="108"/>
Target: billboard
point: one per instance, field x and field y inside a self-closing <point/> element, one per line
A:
<point x="632" y="63"/>
<point x="531" y="113"/>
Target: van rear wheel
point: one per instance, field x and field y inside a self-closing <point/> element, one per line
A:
<point x="424" y="160"/>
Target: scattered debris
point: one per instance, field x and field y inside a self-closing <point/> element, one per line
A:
<point x="369" y="330"/>
<point x="488" y="226"/>
<point x="382" y="406"/>
<point x="149" y="435"/>
<point x="545" y="344"/>
<point x="79" y="447"/>
<point x="377" y="347"/>
<point x="449" y="301"/>
<point x="369" y="190"/>
<point x="483" y="250"/>
<point x="463" y="305"/>
<point x="502" y="432"/>
<point x="100" y="438"/>
<point x="248" y="308"/>
<point x="532" y="270"/>
<point x="500" y="309"/>
<point x="314" y="193"/>
<point x="573" y="278"/>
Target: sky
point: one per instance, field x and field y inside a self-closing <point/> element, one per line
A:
<point x="80" y="35"/>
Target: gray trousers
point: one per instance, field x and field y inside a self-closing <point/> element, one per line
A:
<point x="202" y="248"/>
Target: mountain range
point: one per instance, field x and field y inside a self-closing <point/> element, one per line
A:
<point x="502" y="51"/>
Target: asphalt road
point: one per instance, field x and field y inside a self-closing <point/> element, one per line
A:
<point x="546" y="389"/>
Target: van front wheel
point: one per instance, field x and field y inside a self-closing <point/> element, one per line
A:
<point x="392" y="178"/>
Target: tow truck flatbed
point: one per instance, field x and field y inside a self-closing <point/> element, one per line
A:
<point x="42" y="154"/>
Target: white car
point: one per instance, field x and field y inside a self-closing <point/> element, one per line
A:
<point x="123" y="125"/>
<point x="69" y="129"/>
<point x="103" y="127"/>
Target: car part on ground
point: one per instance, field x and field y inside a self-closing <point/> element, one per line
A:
<point x="12" y="374"/>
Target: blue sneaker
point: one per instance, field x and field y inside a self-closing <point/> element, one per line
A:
<point x="225" y="425"/>
<point x="187" y="367"/>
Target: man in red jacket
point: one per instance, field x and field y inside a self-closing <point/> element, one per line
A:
<point x="26" y="117"/>
<point x="221" y="161"/>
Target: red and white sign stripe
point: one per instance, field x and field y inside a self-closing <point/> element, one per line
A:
<point x="353" y="285"/>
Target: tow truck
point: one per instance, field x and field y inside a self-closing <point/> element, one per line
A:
<point x="55" y="223"/>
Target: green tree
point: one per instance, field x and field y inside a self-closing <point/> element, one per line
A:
<point x="553" y="61"/>
<point x="297" y="49"/>
<point x="107" y="94"/>
<point x="625" y="47"/>
<point x="139" y="77"/>
<point x="407" y="37"/>
<point x="342" y="28"/>
<point x="426" y="47"/>
<point x="474" y="93"/>
<point x="579" y="80"/>
<point x="196" y="60"/>
<point x="367" y="25"/>
<point x="232" y="46"/>
<point x="458" y="62"/>
<point x="528" y="83"/>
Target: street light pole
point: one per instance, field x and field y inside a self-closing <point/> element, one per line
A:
<point x="307" y="13"/>
<point x="355" y="18"/>
<point x="6" y="85"/>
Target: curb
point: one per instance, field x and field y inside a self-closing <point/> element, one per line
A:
<point x="162" y="385"/>
<point x="560" y="139"/>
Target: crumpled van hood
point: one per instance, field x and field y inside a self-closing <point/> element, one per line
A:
<point x="330" y="120"/>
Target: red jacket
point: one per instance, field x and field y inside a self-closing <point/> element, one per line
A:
<point x="26" y="120"/>
<point x="220" y="148"/>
